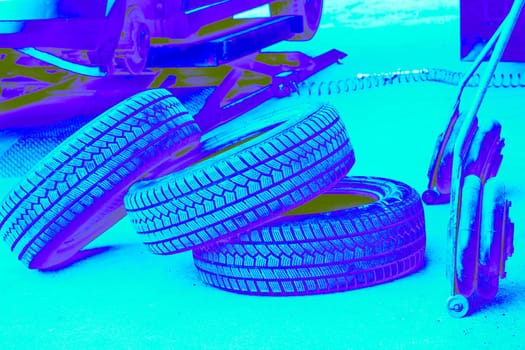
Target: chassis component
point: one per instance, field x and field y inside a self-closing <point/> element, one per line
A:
<point x="116" y="35"/>
<point x="41" y="95"/>
<point x="207" y="49"/>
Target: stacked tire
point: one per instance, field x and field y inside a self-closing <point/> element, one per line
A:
<point x="263" y="201"/>
<point x="319" y="252"/>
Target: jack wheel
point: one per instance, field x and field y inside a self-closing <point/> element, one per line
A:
<point x="458" y="306"/>
<point x="433" y="197"/>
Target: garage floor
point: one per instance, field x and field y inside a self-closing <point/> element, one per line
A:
<point x="127" y="298"/>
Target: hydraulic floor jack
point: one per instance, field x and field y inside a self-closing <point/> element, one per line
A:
<point x="74" y="58"/>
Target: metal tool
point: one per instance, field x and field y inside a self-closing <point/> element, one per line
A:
<point x="465" y="271"/>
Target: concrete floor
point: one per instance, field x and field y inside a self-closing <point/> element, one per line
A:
<point x="128" y="298"/>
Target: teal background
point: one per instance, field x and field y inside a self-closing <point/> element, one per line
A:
<point x="127" y="298"/>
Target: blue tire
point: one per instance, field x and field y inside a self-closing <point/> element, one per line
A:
<point x="275" y="162"/>
<point x="362" y="232"/>
<point x="75" y="193"/>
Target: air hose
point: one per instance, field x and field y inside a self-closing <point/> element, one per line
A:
<point x="363" y="81"/>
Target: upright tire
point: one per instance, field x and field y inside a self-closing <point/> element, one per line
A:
<point x="297" y="154"/>
<point x="362" y="232"/>
<point x="468" y="237"/>
<point x="75" y="193"/>
<point x="496" y="236"/>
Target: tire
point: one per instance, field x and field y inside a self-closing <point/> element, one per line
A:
<point x="468" y="237"/>
<point x="373" y="233"/>
<point x="309" y="10"/>
<point x="75" y="193"/>
<point x="296" y="155"/>
<point x="493" y="224"/>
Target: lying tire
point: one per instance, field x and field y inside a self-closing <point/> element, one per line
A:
<point x="362" y="232"/>
<point x="297" y="154"/>
<point x="310" y="11"/>
<point x="75" y="193"/>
